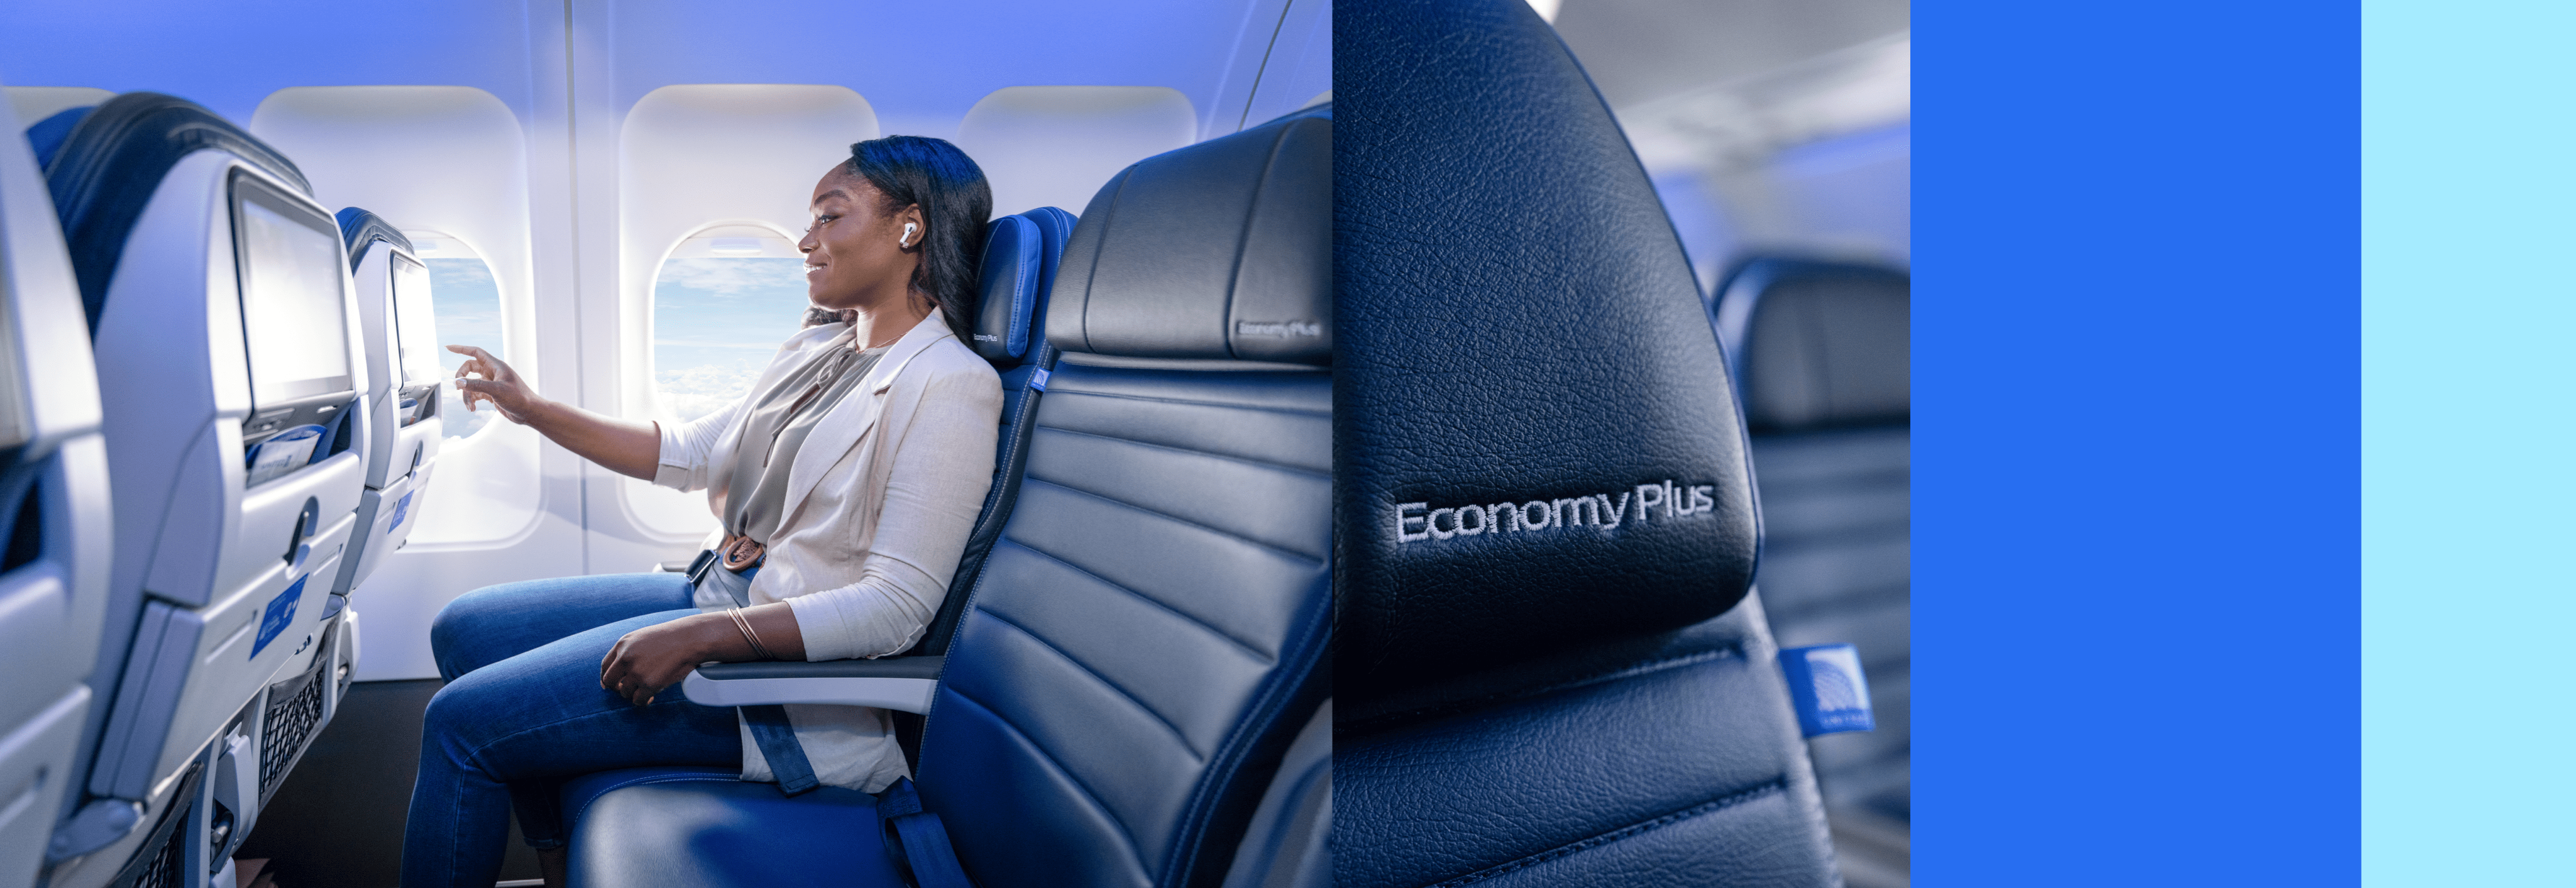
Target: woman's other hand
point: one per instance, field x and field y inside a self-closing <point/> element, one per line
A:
<point x="652" y="658"/>
<point x="655" y="657"/>
<point x="498" y="385"/>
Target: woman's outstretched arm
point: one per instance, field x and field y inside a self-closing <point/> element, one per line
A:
<point x="624" y="446"/>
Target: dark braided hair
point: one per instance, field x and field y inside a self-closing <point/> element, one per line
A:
<point x="956" y="205"/>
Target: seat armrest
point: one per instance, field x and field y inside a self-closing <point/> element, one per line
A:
<point x="899" y="683"/>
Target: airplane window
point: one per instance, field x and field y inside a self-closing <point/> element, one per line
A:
<point x="467" y="309"/>
<point x="721" y="306"/>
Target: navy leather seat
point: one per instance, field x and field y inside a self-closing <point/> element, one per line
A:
<point x="1551" y="669"/>
<point x="1147" y="633"/>
<point x="1821" y="348"/>
<point x="1021" y="255"/>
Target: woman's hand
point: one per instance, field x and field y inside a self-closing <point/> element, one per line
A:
<point x="624" y="446"/>
<point x="498" y="386"/>
<point x="658" y="656"/>
<point x="655" y="657"/>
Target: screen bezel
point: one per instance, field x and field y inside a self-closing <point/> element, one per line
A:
<point x="248" y="189"/>
<point x="421" y="391"/>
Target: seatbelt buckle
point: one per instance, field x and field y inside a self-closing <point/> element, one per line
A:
<point x="1827" y="689"/>
<point x="698" y="569"/>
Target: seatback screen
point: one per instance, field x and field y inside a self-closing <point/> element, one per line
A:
<point x="415" y="324"/>
<point x="292" y="313"/>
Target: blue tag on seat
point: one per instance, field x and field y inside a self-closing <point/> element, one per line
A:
<point x="1038" y="377"/>
<point x="1826" y="688"/>
<point x="402" y="507"/>
<point x="279" y="614"/>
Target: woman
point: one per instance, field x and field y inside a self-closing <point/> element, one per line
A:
<point x="848" y="480"/>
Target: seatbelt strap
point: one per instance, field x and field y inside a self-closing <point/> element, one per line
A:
<point x="916" y="839"/>
<point x="777" y="740"/>
<point x="770" y="729"/>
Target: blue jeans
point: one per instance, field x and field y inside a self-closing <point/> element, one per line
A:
<point x="523" y="711"/>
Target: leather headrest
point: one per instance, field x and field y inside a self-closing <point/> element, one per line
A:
<point x="1817" y="344"/>
<point x="1536" y="446"/>
<point x="358" y="226"/>
<point x="1221" y="250"/>
<point x="1020" y="258"/>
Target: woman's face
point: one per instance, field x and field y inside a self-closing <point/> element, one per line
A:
<point x="856" y="255"/>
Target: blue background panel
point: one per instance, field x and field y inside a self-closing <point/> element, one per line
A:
<point x="2137" y="422"/>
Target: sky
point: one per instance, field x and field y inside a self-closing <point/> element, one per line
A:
<point x="716" y="323"/>
<point x="469" y="313"/>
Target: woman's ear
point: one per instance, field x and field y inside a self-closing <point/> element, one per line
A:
<point x="915" y="228"/>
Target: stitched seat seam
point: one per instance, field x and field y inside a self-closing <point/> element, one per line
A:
<point x="1211" y="629"/>
<point x="1171" y="448"/>
<point x="1633" y="670"/>
<point x="1176" y="519"/>
<point x="1042" y="641"/>
<point x="1134" y="852"/>
<point x="1291" y="411"/>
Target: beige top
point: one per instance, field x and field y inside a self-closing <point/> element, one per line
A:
<point x="779" y="420"/>
<point x="880" y="497"/>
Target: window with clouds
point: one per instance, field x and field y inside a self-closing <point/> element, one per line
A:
<point x="468" y="305"/>
<point x="716" y="323"/>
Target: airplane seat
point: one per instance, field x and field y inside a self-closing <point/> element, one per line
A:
<point x="1021" y="253"/>
<point x="1821" y="348"/>
<point x="1148" y="634"/>
<point x="217" y="299"/>
<point x="46" y="136"/>
<point x="55" y="516"/>
<point x="1552" y="669"/>
<point x="399" y="328"/>
<point x="1284" y="845"/>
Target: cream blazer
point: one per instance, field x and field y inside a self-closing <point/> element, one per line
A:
<point x="880" y="500"/>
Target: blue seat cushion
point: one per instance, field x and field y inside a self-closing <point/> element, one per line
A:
<point x="702" y="827"/>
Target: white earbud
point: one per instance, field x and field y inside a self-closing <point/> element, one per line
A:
<point x="906" y="239"/>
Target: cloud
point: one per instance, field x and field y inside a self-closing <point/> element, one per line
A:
<point x="734" y="277"/>
<point x="454" y="421"/>
<point x="458" y="272"/>
<point x="687" y="393"/>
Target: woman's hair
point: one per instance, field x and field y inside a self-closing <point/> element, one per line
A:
<point x="956" y="205"/>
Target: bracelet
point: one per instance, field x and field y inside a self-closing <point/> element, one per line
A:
<point x="744" y="624"/>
